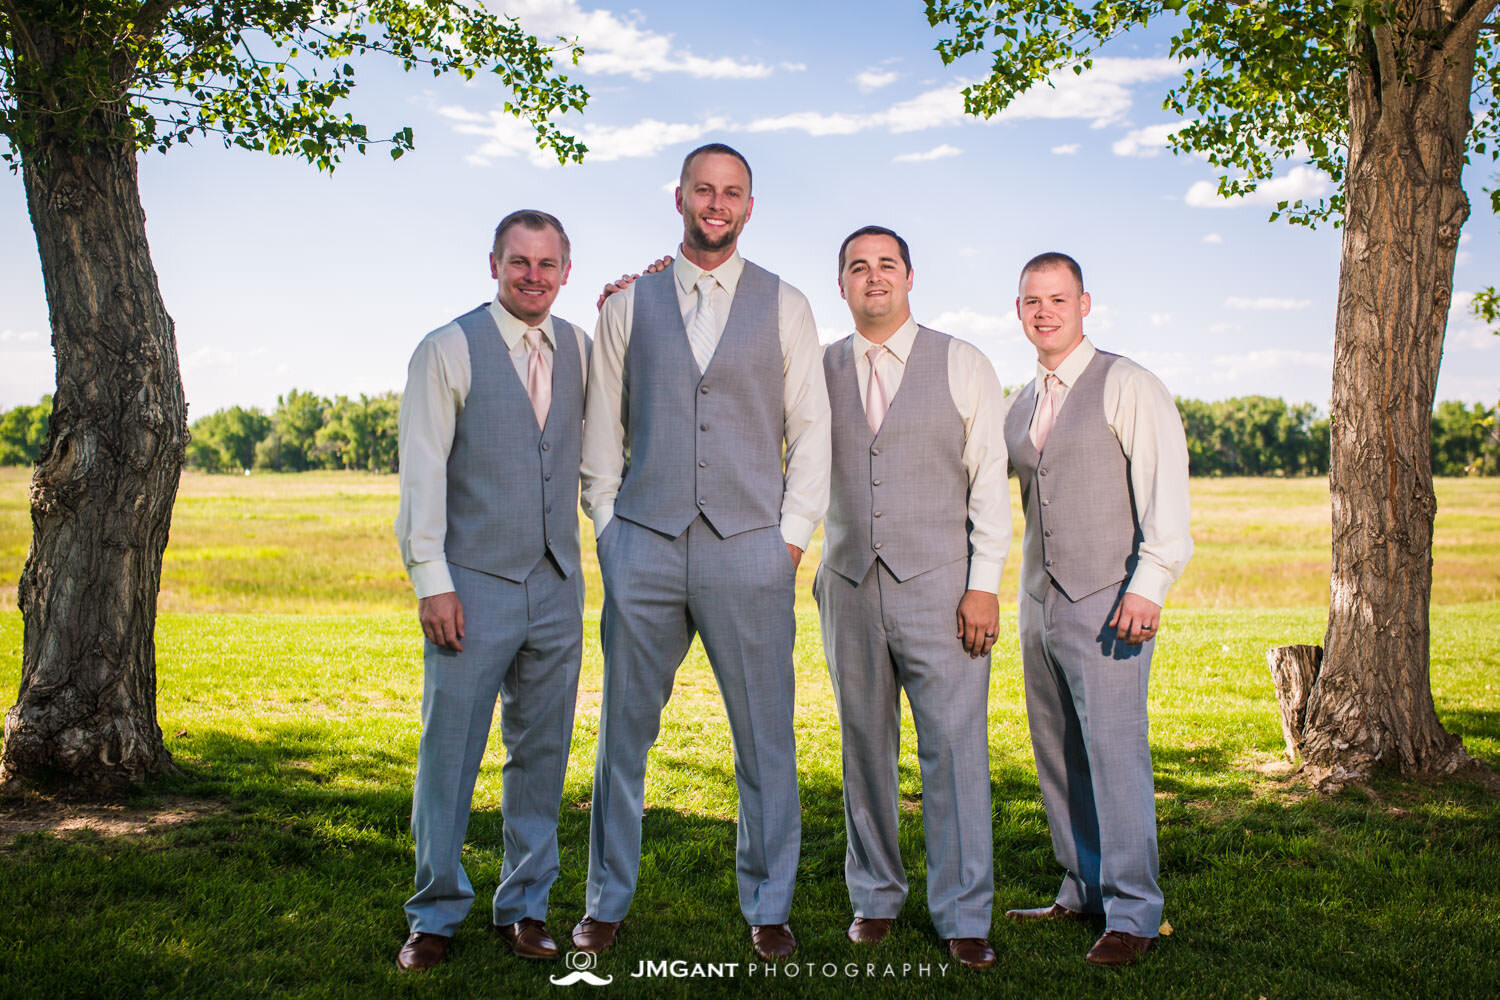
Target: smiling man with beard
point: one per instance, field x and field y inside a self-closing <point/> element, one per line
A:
<point x="705" y="470"/>
<point x="490" y="442"/>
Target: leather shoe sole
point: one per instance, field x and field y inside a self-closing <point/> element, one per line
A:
<point x="528" y="938"/>
<point x="1056" y="911"/>
<point x="422" y="951"/>
<point x="870" y="930"/>
<point x="1117" y="948"/>
<point x="971" y="953"/>
<point x="593" y="936"/>
<point x="773" y="941"/>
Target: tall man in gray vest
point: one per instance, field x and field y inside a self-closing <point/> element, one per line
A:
<point x="701" y="374"/>
<point x="1099" y="449"/>
<point x="491" y="433"/>
<point x="917" y="532"/>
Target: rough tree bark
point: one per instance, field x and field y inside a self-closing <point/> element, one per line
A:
<point x="102" y="492"/>
<point x="1409" y="120"/>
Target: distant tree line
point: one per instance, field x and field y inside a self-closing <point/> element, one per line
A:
<point x="1245" y="436"/>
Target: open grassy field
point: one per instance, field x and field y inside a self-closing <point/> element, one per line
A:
<point x="277" y="863"/>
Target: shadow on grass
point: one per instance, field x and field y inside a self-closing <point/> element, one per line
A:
<point x="296" y="889"/>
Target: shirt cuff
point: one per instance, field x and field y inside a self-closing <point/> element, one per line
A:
<point x="430" y="578"/>
<point x="603" y="514"/>
<point x="1151" y="582"/>
<point x="985" y="575"/>
<point x="797" y="530"/>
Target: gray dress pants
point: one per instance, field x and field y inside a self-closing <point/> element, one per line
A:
<point x="880" y="637"/>
<point x="1086" y="702"/>
<point x="736" y="593"/>
<point x="523" y="642"/>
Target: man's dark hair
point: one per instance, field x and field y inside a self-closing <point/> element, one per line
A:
<point x="535" y="220"/>
<point x="875" y="231"/>
<point x="1052" y="258"/>
<point x="716" y="147"/>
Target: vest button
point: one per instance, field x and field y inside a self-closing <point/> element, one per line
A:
<point x="1048" y="564"/>
<point x="878" y="513"/>
<point x="547" y="478"/>
<point x="546" y="446"/>
<point x="1046" y="503"/>
<point x="548" y="509"/>
<point x="1045" y="534"/>
<point x="549" y="543"/>
<point x="702" y="465"/>
<point x="879" y="544"/>
<point x="1042" y="471"/>
<point x="874" y="451"/>
<point x="703" y="427"/>
<point x="875" y="483"/>
<point x="703" y="389"/>
<point x="703" y="501"/>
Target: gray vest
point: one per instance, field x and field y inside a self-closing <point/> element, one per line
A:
<point x="513" y="487"/>
<point x="902" y="495"/>
<point x="1080" y="512"/>
<point x="706" y="443"/>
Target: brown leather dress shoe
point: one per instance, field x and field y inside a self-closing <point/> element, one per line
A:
<point x="971" y="953"/>
<point x="594" y="936"/>
<point x="1116" y="948"/>
<point x="1056" y="911"/>
<point x="773" y="941"/>
<point x="870" y="930"/>
<point x="528" y="938"/>
<point x="422" y="951"/>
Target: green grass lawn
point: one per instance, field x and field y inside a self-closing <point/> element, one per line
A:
<point x="278" y="861"/>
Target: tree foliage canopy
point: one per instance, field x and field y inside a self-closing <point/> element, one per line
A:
<point x="259" y="74"/>
<point x="1264" y="82"/>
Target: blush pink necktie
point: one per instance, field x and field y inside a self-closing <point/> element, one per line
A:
<point x="538" y="377"/>
<point x="876" y="400"/>
<point x="1046" y="414"/>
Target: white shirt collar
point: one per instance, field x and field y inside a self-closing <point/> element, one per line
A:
<point x="513" y="330"/>
<point x="687" y="273"/>
<point x="1072" y="366"/>
<point x="898" y="343"/>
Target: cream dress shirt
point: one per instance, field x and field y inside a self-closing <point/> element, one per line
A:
<point x="437" y="384"/>
<point x="809" y="452"/>
<point x="981" y="405"/>
<point x="1143" y="417"/>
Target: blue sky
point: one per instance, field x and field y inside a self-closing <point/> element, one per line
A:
<point x="280" y="277"/>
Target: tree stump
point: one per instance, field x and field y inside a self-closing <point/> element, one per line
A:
<point x="1294" y="671"/>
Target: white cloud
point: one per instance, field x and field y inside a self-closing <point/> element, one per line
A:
<point x="622" y="45"/>
<point x="972" y="324"/>
<point x="1302" y="183"/>
<point x="936" y="153"/>
<point x="1161" y="319"/>
<point x="794" y="67"/>
<point x="828" y="334"/>
<point x="1066" y="149"/>
<point x="1148" y="141"/>
<point x="19" y="336"/>
<point x="1265" y="303"/>
<point x="1213" y="238"/>
<point x="874" y="79"/>
<point x="1101" y="95"/>
<point x="1235" y="367"/>
<point x="505" y="136"/>
<point x="1465" y="330"/>
<point x="811" y="122"/>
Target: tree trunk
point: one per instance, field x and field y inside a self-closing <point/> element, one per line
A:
<point x="102" y="493"/>
<point x="1409" y="120"/>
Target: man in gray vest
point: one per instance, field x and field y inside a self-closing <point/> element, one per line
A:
<point x="491" y="429"/>
<point x="1099" y="449"/>
<point x="917" y="532"/>
<point x="702" y="374"/>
